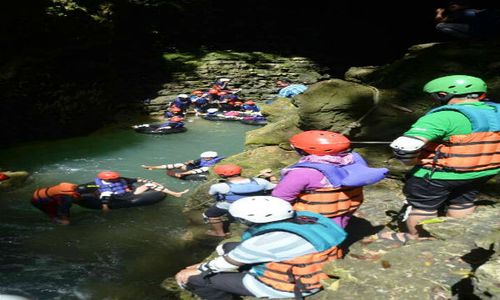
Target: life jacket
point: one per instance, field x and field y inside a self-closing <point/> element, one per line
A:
<point x="345" y="195"/>
<point x="303" y="273"/>
<point x="116" y="187"/>
<point x="241" y="190"/>
<point x="3" y="177"/>
<point x="476" y="151"/>
<point x="210" y="162"/>
<point x="53" y="192"/>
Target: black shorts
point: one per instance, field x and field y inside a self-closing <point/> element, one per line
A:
<point x="215" y="212"/>
<point x="431" y="194"/>
<point x="219" y="286"/>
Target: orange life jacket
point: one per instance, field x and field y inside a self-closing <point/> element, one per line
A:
<point x="305" y="271"/>
<point x="330" y="202"/>
<point x="477" y="151"/>
<point x="60" y="189"/>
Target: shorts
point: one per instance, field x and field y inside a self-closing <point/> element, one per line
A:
<point x="215" y="212"/>
<point x="431" y="194"/>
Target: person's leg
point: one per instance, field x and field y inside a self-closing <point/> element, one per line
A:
<point x="213" y="216"/>
<point x="455" y="30"/>
<point x="220" y="286"/>
<point x="461" y="200"/>
<point x="424" y="196"/>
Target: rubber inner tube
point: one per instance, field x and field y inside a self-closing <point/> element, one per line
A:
<point x="153" y="129"/>
<point x="89" y="198"/>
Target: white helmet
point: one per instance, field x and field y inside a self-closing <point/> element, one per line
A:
<point x="212" y="110"/>
<point x="261" y="209"/>
<point x="182" y="96"/>
<point x="208" y="154"/>
<point x="224" y="79"/>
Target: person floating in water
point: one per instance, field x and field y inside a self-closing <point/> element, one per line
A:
<point x="191" y="167"/>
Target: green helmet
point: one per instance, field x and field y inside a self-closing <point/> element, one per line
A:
<point x="456" y="85"/>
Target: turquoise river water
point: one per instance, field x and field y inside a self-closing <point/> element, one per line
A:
<point x="122" y="254"/>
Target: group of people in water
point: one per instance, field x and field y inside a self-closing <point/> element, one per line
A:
<point x="296" y="223"/>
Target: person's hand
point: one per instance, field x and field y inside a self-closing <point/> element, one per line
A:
<point x="182" y="276"/>
<point x="147" y="167"/>
<point x="105" y="208"/>
<point x="265" y="173"/>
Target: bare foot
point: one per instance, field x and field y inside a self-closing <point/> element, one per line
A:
<point x="179" y="194"/>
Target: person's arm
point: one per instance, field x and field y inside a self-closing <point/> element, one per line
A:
<point x="440" y="15"/>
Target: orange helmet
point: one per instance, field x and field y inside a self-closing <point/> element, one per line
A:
<point x="222" y="93"/>
<point x="320" y="142"/>
<point x="197" y="92"/>
<point x="213" y="91"/>
<point x="249" y="102"/>
<point x="237" y="103"/>
<point x="175" y="109"/>
<point x="227" y="170"/>
<point x="176" y="119"/>
<point x="108" y="175"/>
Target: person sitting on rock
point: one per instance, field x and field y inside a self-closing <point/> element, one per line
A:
<point x="182" y="101"/>
<point x="288" y="89"/>
<point x="233" y="187"/>
<point x="56" y="201"/>
<point x="281" y="254"/>
<point x="191" y="167"/>
<point x="112" y="186"/>
<point x="173" y="111"/>
<point x="329" y="177"/>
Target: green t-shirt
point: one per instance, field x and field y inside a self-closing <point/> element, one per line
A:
<point x="439" y="126"/>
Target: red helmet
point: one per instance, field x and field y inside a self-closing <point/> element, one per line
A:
<point x="213" y="91"/>
<point x="197" y="92"/>
<point x="108" y="175"/>
<point x="3" y="177"/>
<point x="222" y="93"/>
<point x="320" y="142"/>
<point x="237" y="103"/>
<point x="227" y="170"/>
<point x="249" y="102"/>
<point x="176" y="119"/>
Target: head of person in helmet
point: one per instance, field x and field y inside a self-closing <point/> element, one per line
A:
<point x="320" y="142"/>
<point x="261" y="210"/>
<point x="109" y="175"/>
<point x="209" y="155"/>
<point x="227" y="170"/>
<point x="443" y="89"/>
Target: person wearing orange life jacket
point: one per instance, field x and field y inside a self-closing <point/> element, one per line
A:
<point x="329" y="177"/>
<point x="455" y="148"/>
<point x="281" y="255"/>
<point x="250" y="106"/>
<point x="112" y="186"/>
<point x="56" y="201"/>
<point x="233" y="188"/>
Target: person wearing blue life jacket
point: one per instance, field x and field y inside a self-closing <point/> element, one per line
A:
<point x="173" y="122"/>
<point x="250" y="105"/>
<point x="329" y="177"/>
<point x="233" y="188"/>
<point x="112" y="186"/>
<point x="289" y="89"/>
<point x="182" y="101"/>
<point x="200" y="101"/>
<point x="191" y="167"/>
<point x="281" y="254"/>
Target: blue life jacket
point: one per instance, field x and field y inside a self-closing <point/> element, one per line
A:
<point x="250" y="107"/>
<point x="242" y="190"/>
<point x="356" y="174"/>
<point x="172" y="124"/>
<point x="116" y="187"/>
<point x="323" y="233"/>
<point x="482" y="119"/>
<point x="208" y="163"/>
